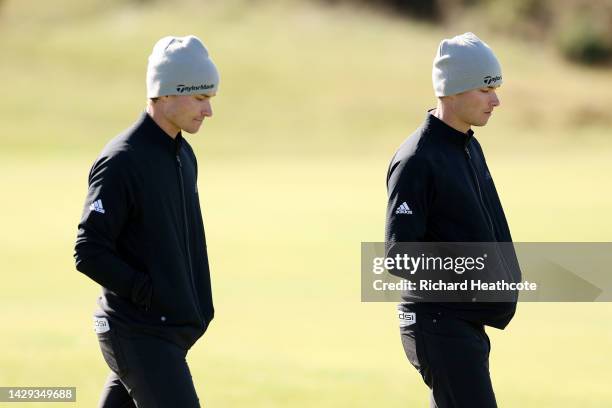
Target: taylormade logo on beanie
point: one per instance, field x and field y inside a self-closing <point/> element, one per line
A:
<point x="463" y="63"/>
<point x="181" y="66"/>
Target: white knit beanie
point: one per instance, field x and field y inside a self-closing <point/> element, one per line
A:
<point x="463" y="63"/>
<point x="181" y="66"/>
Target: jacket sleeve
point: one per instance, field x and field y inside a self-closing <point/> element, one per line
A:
<point x="108" y="207"/>
<point x="410" y="194"/>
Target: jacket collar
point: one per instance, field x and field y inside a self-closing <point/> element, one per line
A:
<point x="441" y="130"/>
<point x="157" y="135"/>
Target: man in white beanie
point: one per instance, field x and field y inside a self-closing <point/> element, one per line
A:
<point x="441" y="190"/>
<point x="141" y="236"/>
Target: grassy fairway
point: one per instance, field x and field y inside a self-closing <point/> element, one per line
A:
<point x="312" y="105"/>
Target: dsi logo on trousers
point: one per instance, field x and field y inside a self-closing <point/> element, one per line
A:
<point x="406" y="318"/>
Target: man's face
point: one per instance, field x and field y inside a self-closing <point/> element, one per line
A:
<point x="475" y="107"/>
<point x="187" y="112"/>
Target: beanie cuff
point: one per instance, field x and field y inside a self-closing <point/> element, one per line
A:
<point x="457" y="86"/>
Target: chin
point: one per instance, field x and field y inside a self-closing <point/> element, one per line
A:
<point x="192" y="131"/>
<point x="481" y="123"/>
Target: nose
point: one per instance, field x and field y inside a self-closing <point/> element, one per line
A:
<point x="207" y="108"/>
<point x="495" y="99"/>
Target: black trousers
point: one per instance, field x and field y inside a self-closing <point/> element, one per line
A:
<point x="452" y="356"/>
<point x="146" y="372"/>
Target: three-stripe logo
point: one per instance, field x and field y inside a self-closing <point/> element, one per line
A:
<point x="403" y="209"/>
<point x="97" y="206"/>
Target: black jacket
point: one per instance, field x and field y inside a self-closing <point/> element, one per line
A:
<point x="141" y="236"/>
<point x="442" y="176"/>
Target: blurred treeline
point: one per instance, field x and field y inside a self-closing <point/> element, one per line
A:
<point x="581" y="30"/>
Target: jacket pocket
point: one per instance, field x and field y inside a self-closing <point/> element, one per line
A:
<point x="110" y="345"/>
<point x="142" y="291"/>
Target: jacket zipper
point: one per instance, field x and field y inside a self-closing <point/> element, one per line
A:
<point x="467" y="151"/>
<point x="195" y="295"/>
<point x="484" y="207"/>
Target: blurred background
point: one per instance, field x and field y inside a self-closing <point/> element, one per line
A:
<point x="315" y="97"/>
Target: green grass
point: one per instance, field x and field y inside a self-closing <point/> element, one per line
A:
<point x="313" y="103"/>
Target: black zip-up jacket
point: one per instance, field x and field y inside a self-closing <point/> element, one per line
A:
<point x="442" y="176"/>
<point x="141" y="235"/>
